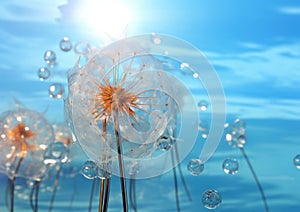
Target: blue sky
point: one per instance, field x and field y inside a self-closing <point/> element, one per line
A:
<point x="254" y="46"/>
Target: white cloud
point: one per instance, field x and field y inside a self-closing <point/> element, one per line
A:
<point x="32" y="11"/>
<point x="290" y="10"/>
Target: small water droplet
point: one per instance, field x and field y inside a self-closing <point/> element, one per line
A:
<point x="56" y="153"/>
<point x="297" y="161"/>
<point x="163" y="143"/>
<point x="195" y="167"/>
<point x="230" y="166"/>
<point x="104" y="171"/>
<point x="211" y="199"/>
<point x="56" y="90"/>
<point x="65" y="44"/>
<point x="203" y="105"/>
<point x="185" y="69"/>
<point x="50" y="57"/>
<point x="239" y="126"/>
<point x="89" y="169"/>
<point x="82" y="47"/>
<point x="43" y="73"/>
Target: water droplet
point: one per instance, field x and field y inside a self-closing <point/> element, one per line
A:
<point x="230" y="166"/>
<point x="211" y="199"/>
<point x="65" y="44"/>
<point x="43" y="73"/>
<point x="56" y="90"/>
<point x="239" y="126"/>
<point x="185" y="69"/>
<point x="89" y="169"/>
<point x="82" y="47"/>
<point x="50" y="57"/>
<point x="195" y="167"/>
<point x="56" y="153"/>
<point x="203" y="105"/>
<point x="297" y="161"/>
<point x="104" y="171"/>
<point x="163" y="143"/>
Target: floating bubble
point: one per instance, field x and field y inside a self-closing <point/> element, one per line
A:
<point x="211" y="199"/>
<point x="297" y="161"/>
<point x="56" y="153"/>
<point x="163" y="143"/>
<point x="89" y="170"/>
<point x="56" y="90"/>
<point x="104" y="171"/>
<point x="43" y="73"/>
<point x="195" y="167"/>
<point x="50" y="57"/>
<point x="82" y="47"/>
<point x="185" y="69"/>
<point x="203" y="105"/>
<point x="230" y="166"/>
<point x="239" y="126"/>
<point x="65" y="44"/>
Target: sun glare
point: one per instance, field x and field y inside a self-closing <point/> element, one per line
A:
<point x="109" y="17"/>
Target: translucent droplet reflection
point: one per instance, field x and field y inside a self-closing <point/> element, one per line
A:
<point x="56" y="153"/>
<point x="43" y="73"/>
<point x="230" y="166"/>
<point x="163" y="143"/>
<point x="82" y="48"/>
<point x="297" y="161"/>
<point x="65" y="44"/>
<point x="89" y="169"/>
<point x="195" y="167"/>
<point x="239" y="126"/>
<point x="211" y="199"/>
<point x="203" y="105"/>
<point x="50" y="57"/>
<point x="104" y="171"/>
<point x="56" y="90"/>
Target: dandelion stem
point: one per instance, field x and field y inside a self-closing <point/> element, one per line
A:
<point x="122" y="179"/>
<point x="256" y="179"/>
<point x="92" y="194"/>
<point x="181" y="174"/>
<point x="34" y="189"/>
<point x="13" y="180"/>
<point x="132" y="195"/>
<point x="175" y="181"/>
<point x="101" y="197"/>
<point x="55" y="188"/>
<point x="106" y="198"/>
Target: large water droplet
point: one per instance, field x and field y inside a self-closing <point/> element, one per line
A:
<point x="89" y="169"/>
<point x="56" y="90"/>
<point x="65" y="44"/>
<point x="211" y="199"/>
<point x="50" y="57"/>
<point x="230" y="166"/>
<point x="297" y="161"/>
<point x="56" y="153"/>
<point x="43" y="73"/>
<point x="195" y="167"/>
